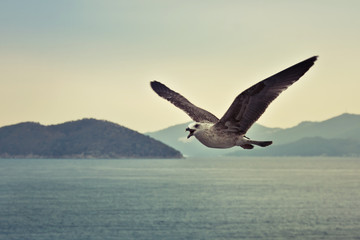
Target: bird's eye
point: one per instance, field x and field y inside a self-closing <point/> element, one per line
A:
<point x="197" y="125"/>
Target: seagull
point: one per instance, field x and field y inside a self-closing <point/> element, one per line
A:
<point x="246" y="109"/>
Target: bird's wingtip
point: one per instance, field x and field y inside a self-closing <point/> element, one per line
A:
<point x="154" y="83"/>
<point x="157" y="86"/>
<point x="314" y="58"/>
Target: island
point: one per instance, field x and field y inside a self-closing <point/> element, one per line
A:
<point x="84" y="139"/>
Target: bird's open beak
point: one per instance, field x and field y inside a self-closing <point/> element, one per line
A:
<point x="191" y="132"/>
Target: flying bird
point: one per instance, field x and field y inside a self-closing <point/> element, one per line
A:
<point x="248" y="106"/>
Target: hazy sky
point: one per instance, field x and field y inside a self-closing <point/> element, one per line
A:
<point x="66" y="60"/>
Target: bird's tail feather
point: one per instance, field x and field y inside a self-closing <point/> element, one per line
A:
<point x="261" y="143"/>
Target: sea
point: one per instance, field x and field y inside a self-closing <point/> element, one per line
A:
<point x="192" y="198"/>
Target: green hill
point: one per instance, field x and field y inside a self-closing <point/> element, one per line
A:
<point x="87" y="138"/>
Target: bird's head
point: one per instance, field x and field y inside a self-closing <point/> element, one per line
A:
<point x="192" y="128"/>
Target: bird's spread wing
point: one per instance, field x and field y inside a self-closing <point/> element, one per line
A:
<point x="197" y="114"/>
<point x="252" y="103"/>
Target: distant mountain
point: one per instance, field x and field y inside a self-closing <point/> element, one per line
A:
<point x="312" y="146"/>
<point x="344" y="127"/>
<point x="87" y="138"/>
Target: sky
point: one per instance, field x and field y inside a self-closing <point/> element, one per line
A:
<point x="71" y="59"/>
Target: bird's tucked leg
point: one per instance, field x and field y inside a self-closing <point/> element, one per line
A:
<point x="247" y="146"/>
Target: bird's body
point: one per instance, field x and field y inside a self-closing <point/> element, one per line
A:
<point x="230" y="130"/>
<point x="214" y="137"/>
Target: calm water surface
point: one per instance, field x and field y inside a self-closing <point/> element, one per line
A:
<point x="223" y="198"/>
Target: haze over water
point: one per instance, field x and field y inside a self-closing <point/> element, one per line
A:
<point x="228" y="198"/>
